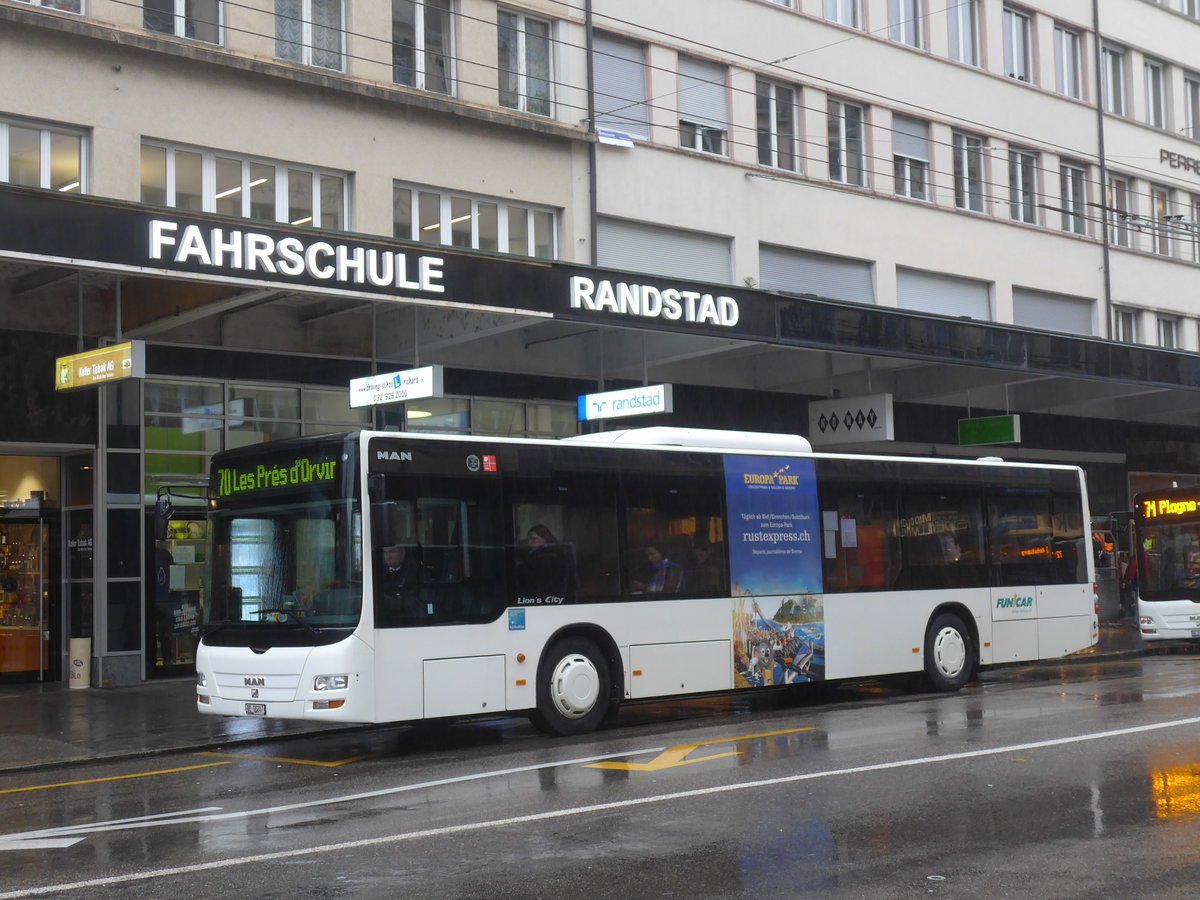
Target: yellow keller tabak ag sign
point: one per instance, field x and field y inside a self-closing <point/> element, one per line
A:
<point x="113" y="363"/>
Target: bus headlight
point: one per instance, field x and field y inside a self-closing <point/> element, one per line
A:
<point x="331" y="682"/>
<point x="201" y="681"/>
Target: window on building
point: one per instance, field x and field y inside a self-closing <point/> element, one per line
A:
<point x="509" y="418"/>
<point x="223" y="183"/>
<point x="968" y="171"/>
<point x="523" y="48"/>
<point x="1068" y="62"/>
<point x="776" y="123"/>
<point x="74" y="6"/>
<point x="1125" y="325"/>
<point x="43" y="157"/>
<point x="847" y="143"/>
<point x="703" y="106"/>
<point x="910" y="157"/>
<point x="1191" y="105"/>
<point x="423" y="44"/>
<point x="1073" y="189"/>
<point x="620" y="86"/>
<point x="1195" y="217"/>
<point x="964" y="31"/>
<point x="1022" y="185"/>
<point x="1018" y="44"/>
<point x="1164" y="222"/>
<point x="310" y="32"/>
<point x="844" y="12"/>
<point x="1156" y="100"/>
<point x="1112" y="79"/>
<point x="1168" y="332"/>
<point x="1191" y="8"/>
<point x="906" y="21"/>
<point x="196" y="19"/>
<point x="432" y="216"/>
<point x="1118" y="210"/>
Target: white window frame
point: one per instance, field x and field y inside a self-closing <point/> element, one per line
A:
<point x="45" y="150"/>
<point x="308" y="52"/>
<point x="1068" y="62"/>
<point x="963" y="16"/>
<point x="1023" y="185"/>
<point x="1191" y="9"/>
<point x="1168" y="332"/>
<point x="446" y="220"/>
<point x="912" y="177"/>
<point x="1073" y="197"/>
<point x="1118" y="193"/>
<point x="208" y="193"/>
<point x="970" y="180"/>
<point x="1112" y="80"/>
<point x="1125" y="325"/>
<point x="1018" y="44"/>
<point x="524" y="101"/>
<point x="781" y="150"/>
<point x="843" y="144"/>
<point x="71" y="6"/>
<point x="1195" y="217"/>
<point x="420" y="81"/>
<point x="182" y="24"/>
<point x="906" y="22"/>
<point x="1161" y="204"/>
<point x="1191" y="104"/>
<point x="1155" y="76"/>
<point x="844" y="12"/>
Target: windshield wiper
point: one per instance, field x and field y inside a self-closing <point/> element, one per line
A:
<point x="295" y="615"/>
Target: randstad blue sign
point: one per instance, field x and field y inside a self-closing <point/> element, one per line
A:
<point x="639" y="401"/>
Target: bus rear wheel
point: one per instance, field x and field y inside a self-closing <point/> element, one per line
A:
<point x="574" y="689"/>
<point x="949" y="653"/>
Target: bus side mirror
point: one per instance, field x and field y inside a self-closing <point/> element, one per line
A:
<point x="384" y="518"/>
<point x="163" y="511"/>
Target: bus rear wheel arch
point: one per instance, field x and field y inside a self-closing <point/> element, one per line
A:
<point x="950" y="655"/>
<point x="574" y="687"/>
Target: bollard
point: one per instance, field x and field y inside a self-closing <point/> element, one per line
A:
<point x="81" y="663"/>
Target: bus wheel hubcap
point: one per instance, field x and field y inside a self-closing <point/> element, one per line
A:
<point x="574" y="686"/>
<point x="949" y="652"/>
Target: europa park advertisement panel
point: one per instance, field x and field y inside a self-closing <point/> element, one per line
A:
<point x="775" y="569"/>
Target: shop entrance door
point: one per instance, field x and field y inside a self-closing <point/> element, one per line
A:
<point x="24" y="593"/>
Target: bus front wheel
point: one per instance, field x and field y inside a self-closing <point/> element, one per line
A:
<point x="949" y="653"/>
<point x="574" y="689"/>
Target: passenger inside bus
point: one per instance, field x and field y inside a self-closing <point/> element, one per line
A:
<point x="546" y="568"/>
<point x="661" y="575"/>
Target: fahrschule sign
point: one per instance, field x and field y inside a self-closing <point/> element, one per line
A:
<point x="57" y="229"/>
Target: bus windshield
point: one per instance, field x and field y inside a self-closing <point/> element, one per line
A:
<point x="285" y="574"/>
<point x="1168" y="560"/>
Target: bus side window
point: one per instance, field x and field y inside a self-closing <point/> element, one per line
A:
<point x="859" y="505"/>
<point x="675" y="526"/>
<point x="564" y="527"/>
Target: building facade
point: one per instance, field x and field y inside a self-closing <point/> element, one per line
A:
<point x="967" y="207"/>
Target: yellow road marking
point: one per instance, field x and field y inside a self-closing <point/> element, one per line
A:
<point x="297" y="762"/>
<point x="675" y="756"/>
<point x="44" y="787"/>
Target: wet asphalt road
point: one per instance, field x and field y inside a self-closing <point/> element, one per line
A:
<point x="1072" y="781"/>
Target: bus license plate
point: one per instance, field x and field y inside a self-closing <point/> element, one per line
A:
<point x="256" y="709"/>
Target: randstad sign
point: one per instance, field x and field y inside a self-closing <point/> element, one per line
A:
<point x="639" y="401"/>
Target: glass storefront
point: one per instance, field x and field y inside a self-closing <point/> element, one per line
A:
<point x="30" y="591"/>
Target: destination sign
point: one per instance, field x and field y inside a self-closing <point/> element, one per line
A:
<point x="1168" y="506"/>
<point x="274" y="474"/>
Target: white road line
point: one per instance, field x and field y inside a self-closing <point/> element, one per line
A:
<point x="578" y="810"/>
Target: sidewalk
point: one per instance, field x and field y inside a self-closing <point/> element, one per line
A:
<point x="48" y="725"/>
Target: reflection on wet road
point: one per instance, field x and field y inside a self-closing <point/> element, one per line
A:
<point x="1067" y="781"/>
